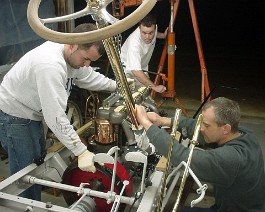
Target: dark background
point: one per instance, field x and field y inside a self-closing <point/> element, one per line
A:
<point x="232" y="36"/>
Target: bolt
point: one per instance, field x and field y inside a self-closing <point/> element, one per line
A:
<point x="48" y="205"/>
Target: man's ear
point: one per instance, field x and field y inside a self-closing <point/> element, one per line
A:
<point x="73" y="47"/>
<point x="227" y="129"/>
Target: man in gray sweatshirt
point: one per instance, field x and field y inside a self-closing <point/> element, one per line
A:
<point x="36" y="89"/>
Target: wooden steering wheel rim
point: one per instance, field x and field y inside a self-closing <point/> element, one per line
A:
<point x="85" y="37"/>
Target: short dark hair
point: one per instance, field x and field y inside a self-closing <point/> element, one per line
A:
<point x="86" y="27"/>
<point x="148" y="20"/>
<point x="226" y="111"/>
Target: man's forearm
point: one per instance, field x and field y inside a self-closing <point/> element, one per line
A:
<point x="142" y="78"/>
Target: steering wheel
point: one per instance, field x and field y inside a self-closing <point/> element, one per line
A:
<point x="95" y="8"/>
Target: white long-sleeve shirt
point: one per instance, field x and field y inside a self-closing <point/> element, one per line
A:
<point x="38" y="86"/>
<point x="136" y="54"/>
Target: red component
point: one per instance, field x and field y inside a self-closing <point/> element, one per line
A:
<point x="100" y="181"/>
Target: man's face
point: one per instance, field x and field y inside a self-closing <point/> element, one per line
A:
<point x="211" y="132"/>
<point x="79" y="57"/>
<point x="147" y="33"/>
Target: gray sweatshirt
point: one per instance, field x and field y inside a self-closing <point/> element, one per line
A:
<point x="38" y="86"/>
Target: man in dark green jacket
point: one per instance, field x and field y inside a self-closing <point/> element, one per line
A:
<point x="235" y="168"/>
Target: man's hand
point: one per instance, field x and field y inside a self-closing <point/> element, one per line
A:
<point x="159" y="88"/>
<point x="85" y="162"/>
<point x="158" y="120"/>
<point x="141" y="117"/>
<point x="146" y="119"/>
<point x="162" y="35"/>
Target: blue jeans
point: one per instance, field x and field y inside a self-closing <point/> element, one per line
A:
<point x="24" y="142"/>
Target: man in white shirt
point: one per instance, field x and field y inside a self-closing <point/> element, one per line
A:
<point x="137" y="51"/>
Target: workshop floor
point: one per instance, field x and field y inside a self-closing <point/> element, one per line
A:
<point x="223" y="71"/>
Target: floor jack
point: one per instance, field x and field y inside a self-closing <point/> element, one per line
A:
<point x="169" y="52"/>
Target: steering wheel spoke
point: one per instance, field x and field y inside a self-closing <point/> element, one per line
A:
<point x="79" y="14"/>
<point x="107" y="17"/>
